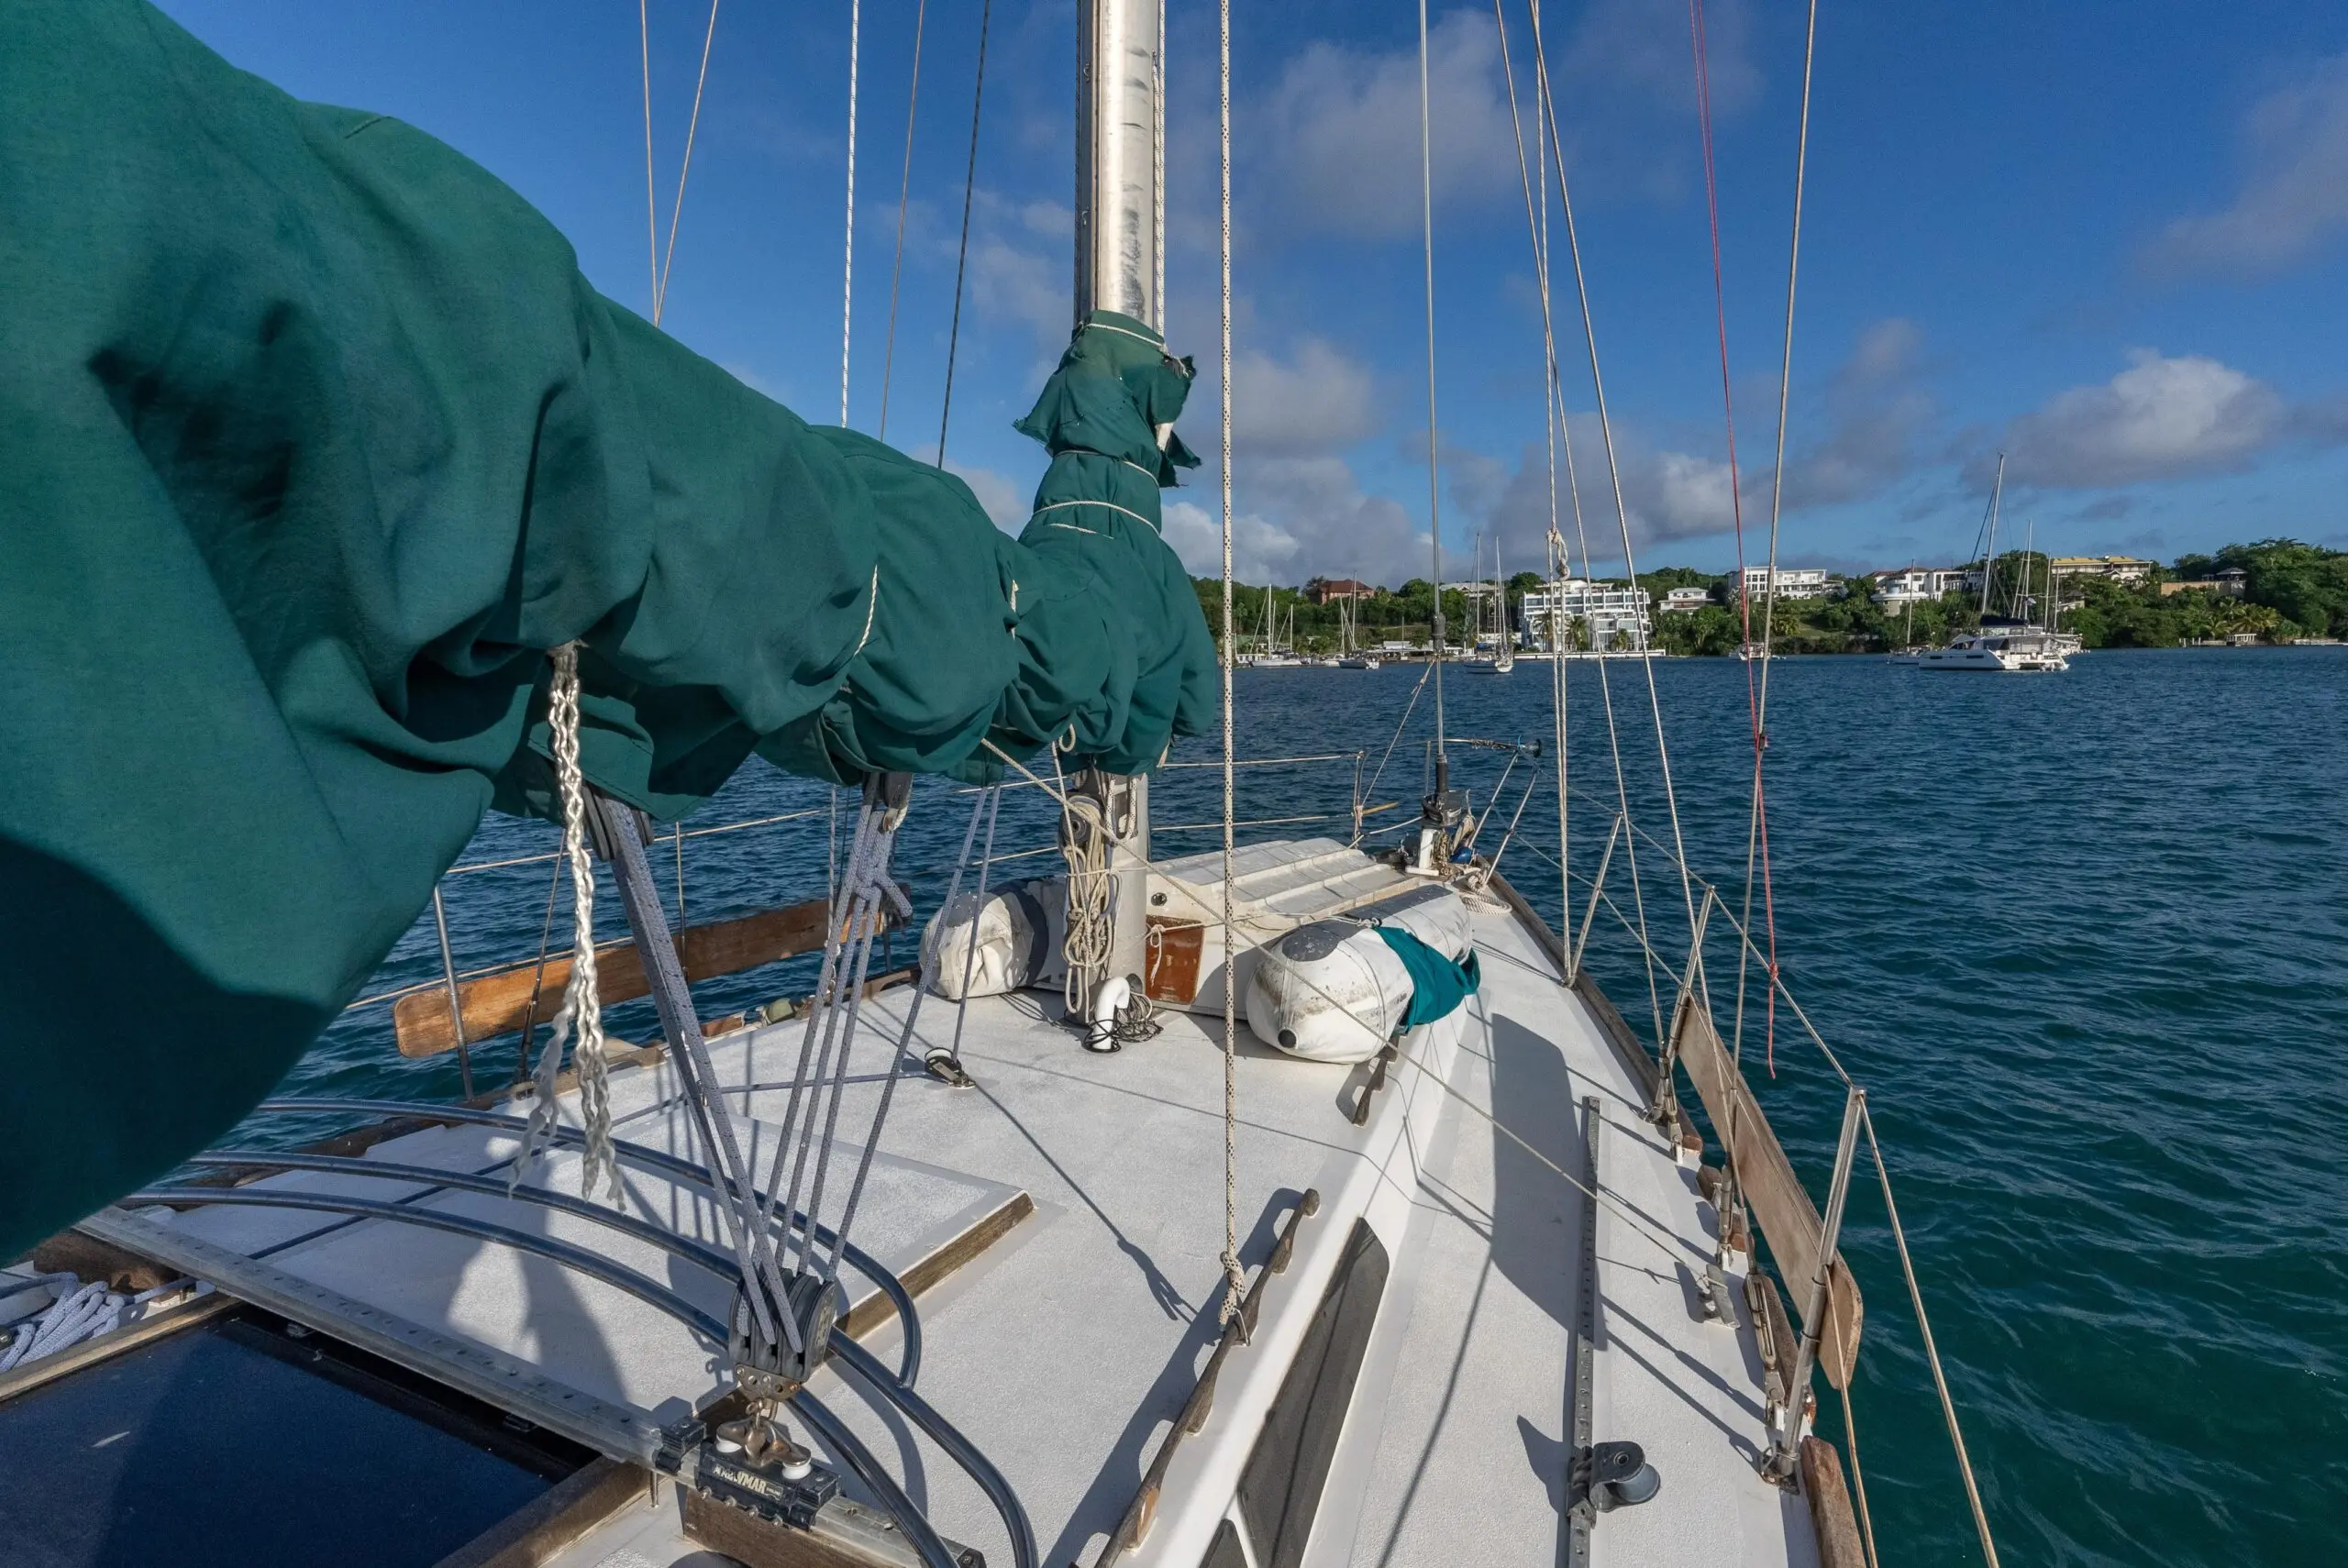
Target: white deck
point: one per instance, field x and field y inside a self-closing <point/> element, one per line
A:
<point x="1067" y="1349"/>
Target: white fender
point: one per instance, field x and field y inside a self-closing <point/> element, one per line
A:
<point x="1331" y="991"/>
<point x="1014" y="932"/>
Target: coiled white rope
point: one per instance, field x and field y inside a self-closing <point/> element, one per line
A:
<point x="82" y="1313"/>
<point x="582" y="1002"/>
<point x="1084" y="843"/>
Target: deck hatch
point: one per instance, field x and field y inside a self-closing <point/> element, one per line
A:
<point x="1279" y="1491"/>
<point x="235" y="1442"/>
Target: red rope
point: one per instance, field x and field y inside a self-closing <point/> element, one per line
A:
<point x="1736" y="508"/>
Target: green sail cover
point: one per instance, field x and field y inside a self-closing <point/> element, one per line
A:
<point x="1098" y="523"/>
<point x="312" y="440"/>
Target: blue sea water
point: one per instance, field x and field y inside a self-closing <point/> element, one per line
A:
<point x="2083" y="938"/>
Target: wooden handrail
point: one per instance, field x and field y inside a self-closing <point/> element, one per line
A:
<point x="498" y="1003"/>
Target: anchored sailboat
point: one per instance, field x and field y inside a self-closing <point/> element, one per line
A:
<point x="2005" y="644"/>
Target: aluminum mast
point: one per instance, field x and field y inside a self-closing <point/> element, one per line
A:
<point x="1121" y="266"/>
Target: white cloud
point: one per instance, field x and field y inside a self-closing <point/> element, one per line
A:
<point x="1024" y="286"/>
<point x="1642" y="47"/>
<point x="1297" y="517"/>
<point x="2294" y="194"/>
<point x="2159" y="418"/>
<point x="1667" y="495"/>
<point x="1261" y="551"/>
<point x="1006" y="505"/>
<point x="1339" y="134"/>
<point x="1050" y="219"/>
<point x="1876" y="409"/>
<point x="1320" y="401"/>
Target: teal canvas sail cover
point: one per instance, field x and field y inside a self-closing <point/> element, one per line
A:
<point x="1439" y="984"/>
<point x="313" y="440"/>
<point x="1107" y="415"/>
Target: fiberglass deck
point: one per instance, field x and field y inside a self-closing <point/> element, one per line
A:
<point x="1064" y="1349"/>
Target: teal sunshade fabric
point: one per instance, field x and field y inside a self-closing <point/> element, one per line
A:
<point x="313" y="439"/>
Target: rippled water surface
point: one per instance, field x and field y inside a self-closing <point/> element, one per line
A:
<point x="2084" y="938"/>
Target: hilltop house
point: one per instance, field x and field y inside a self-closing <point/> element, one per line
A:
<point x="1323" y="590"/>
<point x="1793" y="583"/>
<point x="1914" y="585"/>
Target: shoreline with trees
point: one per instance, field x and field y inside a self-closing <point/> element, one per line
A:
<point x="2273" y="590"/>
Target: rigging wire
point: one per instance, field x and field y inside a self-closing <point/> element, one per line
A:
<point x="1546" y="103"/>
<point x="1622" y="511"/>
<point x="1435" y="478"/>
<point x="1931" y="1351"/>
<point x="538" y="975"/>
<point x="1858" y="1476"/>
<point x="1559" y="690"/>
<point x="1757" y="828"/>
<point x="676" y="207"/>
<point x="1550" y="414"/>
<point x="905" y="192"/>
<point x="963" y="249"/>
<point x="651" y="202"/>
<point x="1234" y="1280"/>
<point x="848" y="263"/>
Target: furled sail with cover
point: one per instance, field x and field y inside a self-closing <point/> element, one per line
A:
<point x="313" y="439"/>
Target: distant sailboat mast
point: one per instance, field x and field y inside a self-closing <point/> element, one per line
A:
<point x="1989" y="552"/>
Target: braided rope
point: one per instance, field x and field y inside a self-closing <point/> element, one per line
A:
<point x="847" y="265"/>
<point x="582" y="1002"/>
<point x="1235" y="1278"/>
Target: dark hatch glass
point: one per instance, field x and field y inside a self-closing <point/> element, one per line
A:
<point x="241" y="1443"/>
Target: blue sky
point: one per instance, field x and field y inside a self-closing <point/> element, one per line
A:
<point x="2112" y="241"/>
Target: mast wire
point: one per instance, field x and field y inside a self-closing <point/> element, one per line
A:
<point x="1434" y="476"/>
<point x="676" y="207"/>
<point x="1757" y="828"/>
<point x="1623" y="519"/>
<point x="1548" y="105"/>
<point x="651" y="203"/>
<point x="905" y="192"/>
<point x="962" y="250"/>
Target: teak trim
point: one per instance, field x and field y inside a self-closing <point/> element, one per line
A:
<point x="499" y="1003"/>
<point x="537" y="1532"/>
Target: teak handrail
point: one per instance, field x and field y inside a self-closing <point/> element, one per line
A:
<point x="498" y="1003"/>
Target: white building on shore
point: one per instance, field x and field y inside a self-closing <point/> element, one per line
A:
<point x="1608" y="614"/>
<point x="1680" y="601"/>
<point x="1793" y="583"/>
<point x="1915" y="585"/>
